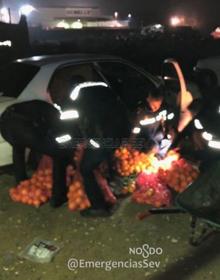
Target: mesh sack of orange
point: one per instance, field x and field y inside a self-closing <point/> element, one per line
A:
<point x="103" y="183"/>
<point x="35" y="191"/>
<point x="129" y="161"/>
<point x="77" y="199"/>
<point x="150" y="190"/>
<point x="180" y="175"/>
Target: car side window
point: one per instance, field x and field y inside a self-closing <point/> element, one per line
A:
<point x="64" y="79"/>
<point x="126" y="81"/>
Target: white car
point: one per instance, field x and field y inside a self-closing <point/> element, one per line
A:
<point x="50" y="78"/>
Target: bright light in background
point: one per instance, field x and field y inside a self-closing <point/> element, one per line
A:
<point x="116" y="24"/>
<point x="5" y="17"/>
<point x="216" y="33"/>
<point x="4" y="11"/>
<point x="176" y="20"/>
<point x="63" y="24"/>
<point x="158" y="26"/>
<point x="129" y="16"/>
<point x="26" y="10"/>
<point x="115" y="14"/>
<point x="77" y="25"/>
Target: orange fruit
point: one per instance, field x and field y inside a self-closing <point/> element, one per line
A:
<point x="80" y="192"/>
<point x="36" y="202"/>
<point x="72" y="205"/>
<point x="24" y="192"/>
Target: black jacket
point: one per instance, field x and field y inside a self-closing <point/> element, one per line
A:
<point x="41" y="116"/>
<point x="102" y="114"/>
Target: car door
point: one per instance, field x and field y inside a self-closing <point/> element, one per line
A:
<point x="128" y="82"/>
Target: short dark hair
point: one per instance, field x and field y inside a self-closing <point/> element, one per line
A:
<point x="156" y="92"/>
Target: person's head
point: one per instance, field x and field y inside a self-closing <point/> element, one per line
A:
<point x="155" y="99"/>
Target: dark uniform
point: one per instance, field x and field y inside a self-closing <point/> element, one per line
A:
<point x="151" y="128"/>
<point x="35" y="125"/>
<point x="202" y="198"/>
<point x="209" y="130"/>
<point x="105" y="125"/>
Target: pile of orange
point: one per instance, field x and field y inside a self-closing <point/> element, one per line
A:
<point x="130" y="161"/>
<point x="180" y="175"/>
<point x="77" y="199"/>
<point x="35" y="191"/>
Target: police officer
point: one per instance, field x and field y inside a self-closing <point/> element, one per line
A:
<point x="104" y="125"/>
<point x="202" y="198"/>
<point x="206" y="133"/>
<point x="37" y="125"/>
<point x="154" y="120"/>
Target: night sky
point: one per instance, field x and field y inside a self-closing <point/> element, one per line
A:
<point x="206" y="12"/>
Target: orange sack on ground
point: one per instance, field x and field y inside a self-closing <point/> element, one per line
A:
<point x="37" y="190"/>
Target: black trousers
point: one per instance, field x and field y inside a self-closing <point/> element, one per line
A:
<point x="22" y="134"/>
<point x="91" y="160"/>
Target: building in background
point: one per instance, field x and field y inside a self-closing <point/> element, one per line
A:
<point x="56" y="14"/>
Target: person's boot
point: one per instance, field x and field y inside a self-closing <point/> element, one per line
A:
<point x="106" y="211"/>
<point x="112" y="208"/>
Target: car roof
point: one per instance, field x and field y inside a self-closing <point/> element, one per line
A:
<point x="65" y="58"/>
